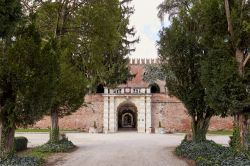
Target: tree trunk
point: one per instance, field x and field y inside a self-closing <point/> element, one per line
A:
<point x="229" y="21"/>
<point x="7" y="134"/>
<point x="1" y="143"/>
<point x="243" y="125"/>
<point x="200" y="128"/>
<point x="54" y="132"/>
<point x="242" y="118"/>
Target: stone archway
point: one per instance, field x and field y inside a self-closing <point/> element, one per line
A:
<point x="138" y="100"/>
<point x="127" y="116"/>
<point x="128" y="120"/>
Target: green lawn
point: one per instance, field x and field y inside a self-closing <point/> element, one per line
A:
<point x="42" y="130"/>
<point x="221" y="132"/>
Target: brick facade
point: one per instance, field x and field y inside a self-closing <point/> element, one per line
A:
<point x="165" y="109"/>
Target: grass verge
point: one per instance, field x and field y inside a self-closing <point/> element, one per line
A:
<point x="42" y="130"/>
<point x="221" y="132"/>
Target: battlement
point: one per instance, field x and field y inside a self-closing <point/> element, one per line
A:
<point x="143" y="61"/>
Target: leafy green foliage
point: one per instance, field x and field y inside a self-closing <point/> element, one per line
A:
<point x="20" y="143"/>
<point x="90" y="43"/>
<point x="225" y="88"/>
<point x="159" y="124"/>
<point x="173" y="7"/>
<point x="41" y="153"/>
<point x="54" y="134"/>
<point x="225" y="70"/>
<point x="209" y="153"/>
<point x="63" y="145"/>
<point x="101" y="52"/>
<point x="25" y="94"/>
<point x="10" y="14"/>
<point x="95" y="125"/>
<point x="235" y="139"/>
<point x="153" y="72"/>
<point x="181" y="53"/>
<point x="23" y="161"/>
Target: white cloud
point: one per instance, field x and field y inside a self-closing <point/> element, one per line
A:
<point x="147" y="26"/>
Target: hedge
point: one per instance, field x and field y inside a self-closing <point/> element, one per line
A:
<point x="208" y="153"/>
<point x="63" y="145"/>
<point x="20" y="143"/>
<point x="21" y="161"/>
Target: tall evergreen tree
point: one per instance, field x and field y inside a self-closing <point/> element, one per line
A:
<point x="54" y="20"/>
<point x="226" y="37"/>
<point x="24" y="93"/>
<point x="91" y="37"/>
<point x="181" y="52"/>
<point x="238" y="18"/>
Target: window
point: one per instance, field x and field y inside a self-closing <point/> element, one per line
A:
<point x="100" y="89"/>
<point x="154" y="88"/>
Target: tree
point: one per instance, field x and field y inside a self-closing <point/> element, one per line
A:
<point x="69" y="88"/>
<point x="226" y="37"/>
<point x="237" y="14"/>
<point x="104" y="42"/>
<point x="91" y="40"/>
<point x="173" y="7"/>
<point x="10" y="14"/>
<point x="24" y="93"/>
<point x="54" y="21"/>
<point x="181" y="53"/>
<point x="153" y="72"/>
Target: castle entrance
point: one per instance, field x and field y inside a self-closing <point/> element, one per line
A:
<point x="127" y="109"/>
<point x="127" y="117"/>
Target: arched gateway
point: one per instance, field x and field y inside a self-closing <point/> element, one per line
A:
<point x="127" y="115"/>
<point x="127" y="108"/>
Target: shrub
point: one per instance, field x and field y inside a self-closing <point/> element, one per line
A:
<point x="160" y="125"/>
<point x="235" y="139"/>
<point x="22" y="161"/>
<point x="95" y="125"/>
<point x="208" y="153"/>
<point x="20" y="143"/>
<point x="63" y="145"/>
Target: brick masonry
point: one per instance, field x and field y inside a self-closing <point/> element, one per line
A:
<point x="165" y="109"/>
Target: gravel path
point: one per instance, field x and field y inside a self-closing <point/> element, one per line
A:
<point x="121" y="149"/>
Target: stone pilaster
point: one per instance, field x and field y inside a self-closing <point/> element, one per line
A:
<point x="148" y="114"/>
<point x="106" y="114"/>
<point x="141" y="116"/>
<point x="112" y="115"/>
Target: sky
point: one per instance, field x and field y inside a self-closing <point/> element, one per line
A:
<point x="147" y="26"/>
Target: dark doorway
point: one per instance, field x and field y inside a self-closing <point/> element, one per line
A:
<point x="154" y="88"/>
<point x="100" y="89"/>
<point x="127" y="119"/>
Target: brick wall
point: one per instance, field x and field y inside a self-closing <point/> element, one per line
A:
<point x="169" y="110"/>
<point x="174" y="117"/>
<point x="83" y="118"/>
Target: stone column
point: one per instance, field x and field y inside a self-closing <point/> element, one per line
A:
<point x="141" y="115"/>
<point x="106" y="114"/>
<point x="112" y="115"/>
<point x="148" y="115"/>
<point x="115" y="115"/>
